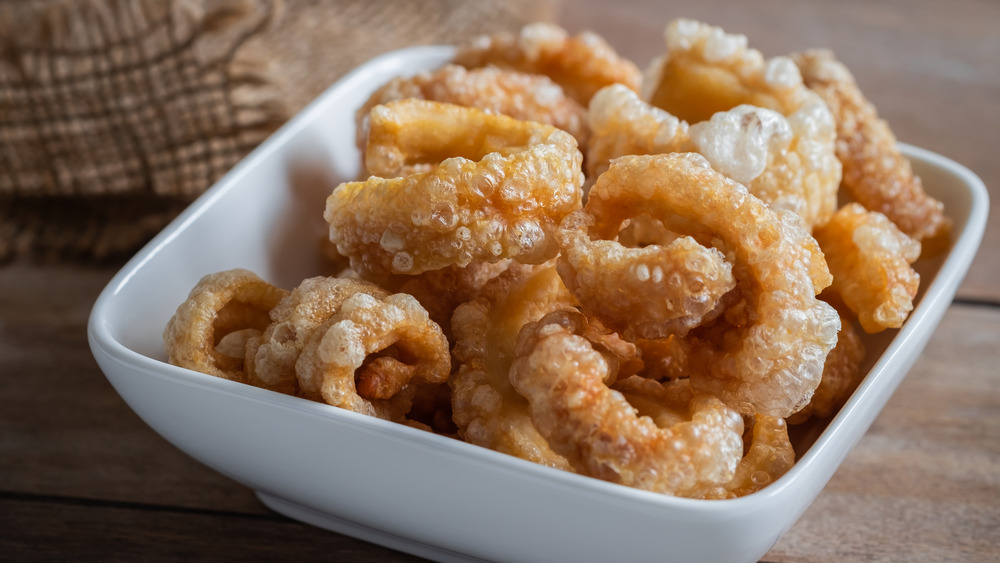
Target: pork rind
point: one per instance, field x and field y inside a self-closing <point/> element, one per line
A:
<point x="876" y="174"/>
<point x="871" y="263"/>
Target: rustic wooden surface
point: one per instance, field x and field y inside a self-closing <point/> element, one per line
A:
<point x="81" y="477"/>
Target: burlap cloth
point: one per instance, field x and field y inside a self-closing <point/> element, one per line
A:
<point x="116" y="114"/>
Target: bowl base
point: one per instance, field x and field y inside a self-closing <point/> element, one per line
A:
<point x="333" y="523"/>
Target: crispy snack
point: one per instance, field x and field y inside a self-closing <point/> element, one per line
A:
<point x="769" y="457"/>
<point x="527" y="97"/>
<point x="581" y="64"/>
<point x="388" y="345"/>
<point x="772" y="361"/>
<point x="787" y="162"/>
<point x="487" y="409"/>
<point x="499" y="190"/>
<point x="222" y="303"/>
<point x="841" y="375"/>
<point x="876" y="174"/>
<point x="271" y="356"/>
<point x="564" y="380"/>
<point x="441" y="291"/>
<point x="871" y="263"/>
<point x="706" y="70"/>
<point x="621" y="124"/>
<point x="643" y="293"/>
<point x="665" y="403"/>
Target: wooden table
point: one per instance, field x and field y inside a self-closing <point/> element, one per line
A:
<point x="82" y="477"/>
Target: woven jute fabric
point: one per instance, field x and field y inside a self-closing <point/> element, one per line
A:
<point x="116" y="114"/>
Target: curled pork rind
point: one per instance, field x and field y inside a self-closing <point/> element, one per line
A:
<point x="787" y="162"/>
<point x="527" y="97"/>
<point x="498" y="190"/>
<point x="871" y="263"/>
<point x="564" y="379"/>
<point x="271" y="356"/>
<point x="651" y="292"/>
<point x="387" y="345"/>
<point x="487" y="409"/>
<point x="706" y="70"/>
<point x="581" y="64"/>
<point x="772" y="360"/>
<point x="221" y="303"/>
<point x="876" y="174"/>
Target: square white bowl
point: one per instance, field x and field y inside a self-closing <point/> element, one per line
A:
<point x="411" y="490"/>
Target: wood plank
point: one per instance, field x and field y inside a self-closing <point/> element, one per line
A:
<point x="929" y="67"/>
<point x="63" y="428"/>
<point x="52" y="531"/>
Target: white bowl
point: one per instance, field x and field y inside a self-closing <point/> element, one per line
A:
<point x="411" y="490"/>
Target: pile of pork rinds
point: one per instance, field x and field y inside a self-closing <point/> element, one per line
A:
<point x="640" y="277"/>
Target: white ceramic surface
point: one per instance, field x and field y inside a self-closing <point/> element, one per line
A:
<point x="414" y="491"/>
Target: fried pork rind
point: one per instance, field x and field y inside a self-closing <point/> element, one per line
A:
<point x="527" y="97"/>
<point x="771" y="361"/>
<point x="841" y="375"/>
<point x="441" y="291"/>
<point x="789" y="162"/>
<point x="497" y="188"/>
<point x="581" y="64"/>
<point x="380" y="347"/>
<point x="621" y="124"/>
<point x="222" y="303"/>
<point x="876" y="174"/>
<point x="487" y="409"/>
<point x="644" y="293"/>
<point x="706" y="70"/>
<point x="769" y="457"/>
<point x="871" y="263"/>
<point x="565" y="381"/>
<point x="271" y="356"/>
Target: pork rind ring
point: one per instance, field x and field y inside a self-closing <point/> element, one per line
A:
<point x="597" y="430"/>
<point x="390" y="344"/>
<point x="499" y="191"/>
<point x="772" y="361"/>
<point x="486" y="408"/>
<point x="871" y="263"/>
<point x="271" y="356"/>
<point x="527" y="97"/>
<point x="789" y="162"/>
<point x="706" y="70"/>
<point x="643" y="293"/>
<point x="876" y="174"/>
<point x="581" y="64"/>
<point x="219" y="304"/>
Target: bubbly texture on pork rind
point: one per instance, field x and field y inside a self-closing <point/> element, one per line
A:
<point x="789" y="162"/>
<point x="581" y="64"/>
<point x="523" y="96"/>
<point x="871" y="263"/>
<point x="876" y="174"/>
<point x="497" y="189"/>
